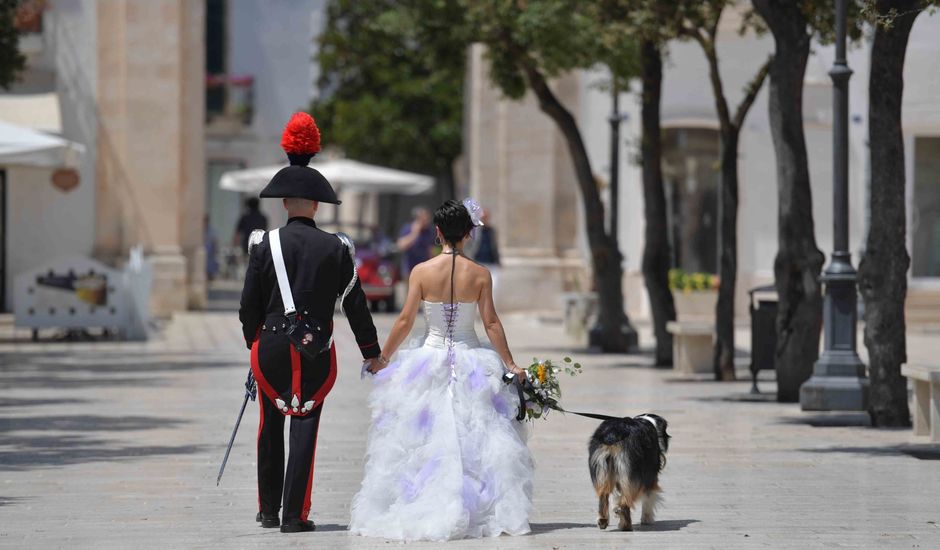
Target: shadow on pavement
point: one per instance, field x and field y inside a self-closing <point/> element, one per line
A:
<point x="24" y="453"/>
<point x="86" y="423"/>
<point x="539" y="528"/>
<point x="6" y="501"/>
<point x="667" y="525"/>
<point x="20" y="402"/>
<point x="832" y="420"/>
<point x="51" y="382"/>
<point x="920" y="452"/>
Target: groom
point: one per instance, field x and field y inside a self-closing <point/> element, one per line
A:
<point x="320" y="269"/>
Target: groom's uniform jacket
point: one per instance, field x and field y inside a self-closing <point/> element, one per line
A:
<point x="320" y="268"/>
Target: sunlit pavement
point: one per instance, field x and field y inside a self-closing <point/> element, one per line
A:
<point x="116" y="445"/>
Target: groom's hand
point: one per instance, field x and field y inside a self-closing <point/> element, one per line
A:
<point x="374" y="365"/>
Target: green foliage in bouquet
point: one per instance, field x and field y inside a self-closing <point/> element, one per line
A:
<point x="542" y="391"/>
<point x="683" y="281"/>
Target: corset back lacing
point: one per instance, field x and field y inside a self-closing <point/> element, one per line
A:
<point x="450" y="322"/>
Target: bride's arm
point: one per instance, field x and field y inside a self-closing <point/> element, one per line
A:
<point x="406" y="320"/>
<point x="494" y="327"/>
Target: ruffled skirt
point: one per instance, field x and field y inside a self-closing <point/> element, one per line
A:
<point x="446" y="458"/>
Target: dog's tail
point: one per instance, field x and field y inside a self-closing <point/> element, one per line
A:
<point x="607" y="468"/>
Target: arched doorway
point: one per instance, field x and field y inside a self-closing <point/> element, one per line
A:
<point x="690" y="173"/>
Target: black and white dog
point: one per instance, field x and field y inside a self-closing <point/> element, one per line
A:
<point x="626" y="455"/>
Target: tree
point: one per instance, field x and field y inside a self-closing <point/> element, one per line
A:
<point x="883" y="268"/>
<point x="527" y="44"/>
<point x="12" y="62"/>
<point x="799" y="260"/>
<point x="656" y="257"/>
<point x="392" y="82"/>
<point x="698" y="21"/>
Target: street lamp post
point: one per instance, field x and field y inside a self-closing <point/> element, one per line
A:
<point x="838" y="382"/>
<point x="616" y="117"/>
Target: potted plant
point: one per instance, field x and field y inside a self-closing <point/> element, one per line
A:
<point x="695" y="294"/>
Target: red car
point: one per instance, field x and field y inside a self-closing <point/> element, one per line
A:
<point x="376" y="264"/>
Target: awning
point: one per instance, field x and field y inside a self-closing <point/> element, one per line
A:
<point x="21" y="146"/>
<point x="345" y="174"/>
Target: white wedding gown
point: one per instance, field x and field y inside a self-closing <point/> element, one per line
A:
<point x="446" y="458"/>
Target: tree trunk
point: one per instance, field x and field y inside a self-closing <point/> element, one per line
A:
<point x="799" y="261"/>
<point x="617" y="336"/>
<point x="730" y="131"/>
<point x="656" y="257"/>
<point x="727" y="255"/>
<point x="883" y="269"/>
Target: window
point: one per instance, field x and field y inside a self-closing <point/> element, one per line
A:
<point x="925" y="230"/>
<point x="690" y="173"/>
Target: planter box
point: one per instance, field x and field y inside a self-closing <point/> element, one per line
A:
<point x="697" y="305"/>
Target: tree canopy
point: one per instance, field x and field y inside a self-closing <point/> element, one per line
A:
<point x="391" y="84"/>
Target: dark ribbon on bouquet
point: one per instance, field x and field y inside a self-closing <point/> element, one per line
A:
<point x="521" y="388"/>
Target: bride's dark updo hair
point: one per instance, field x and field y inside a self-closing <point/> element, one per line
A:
<point x="454" y="221"/>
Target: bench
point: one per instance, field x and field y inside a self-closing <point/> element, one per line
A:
<point x="926" y="399"/>
<point x="692" y="346"/>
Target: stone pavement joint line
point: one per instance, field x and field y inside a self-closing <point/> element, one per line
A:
<point x="117" y="445"/>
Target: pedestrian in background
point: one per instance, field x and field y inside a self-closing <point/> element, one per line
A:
<point x="415" y="240"/>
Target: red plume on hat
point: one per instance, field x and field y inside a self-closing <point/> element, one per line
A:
<point x="301" y="139"/>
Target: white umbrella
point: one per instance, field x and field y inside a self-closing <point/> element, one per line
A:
<point x="346" y="174"/>
<point x="21" y="146"/>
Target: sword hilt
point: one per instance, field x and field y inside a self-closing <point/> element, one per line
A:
<point x="251" y="387"/>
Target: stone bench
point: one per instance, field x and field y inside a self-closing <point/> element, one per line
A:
<point x="692" y="346"/>
<point x="926" y="399"/>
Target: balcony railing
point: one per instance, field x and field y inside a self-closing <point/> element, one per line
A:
<point x="230" y="99"/>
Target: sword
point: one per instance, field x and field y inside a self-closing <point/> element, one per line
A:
<point x="251" y="392"/>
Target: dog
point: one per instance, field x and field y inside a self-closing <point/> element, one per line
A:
<point x="626" y="455"/>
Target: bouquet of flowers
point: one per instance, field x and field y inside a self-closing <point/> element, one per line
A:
<point x="541" y="389"/>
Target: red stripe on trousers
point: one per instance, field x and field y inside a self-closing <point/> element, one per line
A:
<point x="295" y="372"/>
<point x="256" y="370"/>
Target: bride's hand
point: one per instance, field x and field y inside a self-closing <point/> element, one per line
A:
<point x="518" y="371"/>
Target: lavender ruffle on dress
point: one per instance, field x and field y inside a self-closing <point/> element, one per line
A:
<point x="446" y="458"/>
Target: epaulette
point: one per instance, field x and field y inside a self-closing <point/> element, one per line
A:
<point x="348" y="243"/>
<point x="255" y="239"/>
<point x="351" y="250"/>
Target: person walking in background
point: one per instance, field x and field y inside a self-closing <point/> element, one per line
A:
<point x="250" y="221"/>
<point x="415" y="240"/>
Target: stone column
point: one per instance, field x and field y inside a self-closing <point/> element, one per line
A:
<point x="150" y="188"/>
<point x="521" y="171"/>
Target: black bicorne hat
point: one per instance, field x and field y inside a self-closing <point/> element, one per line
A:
<point x="301" y="141"/>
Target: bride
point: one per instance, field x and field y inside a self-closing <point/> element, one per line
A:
<point x="446" y="458"/>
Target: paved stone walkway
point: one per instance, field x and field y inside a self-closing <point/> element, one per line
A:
<point x="116" y="445"/>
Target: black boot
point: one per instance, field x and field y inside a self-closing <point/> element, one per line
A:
<point x="268" y="520"/>
<point x="298" y="526"/>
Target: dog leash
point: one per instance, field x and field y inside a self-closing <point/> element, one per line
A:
<point x="555" y="406"/>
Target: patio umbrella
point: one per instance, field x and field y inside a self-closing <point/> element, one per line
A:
<point x="21" y="146"/>
<point x="346" y="174"/>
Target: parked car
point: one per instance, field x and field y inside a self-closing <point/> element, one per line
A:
<point x="376" y="263"/>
